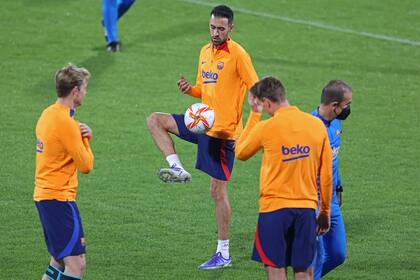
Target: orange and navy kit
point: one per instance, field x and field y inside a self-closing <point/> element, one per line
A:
<point x="291" y="161"/>
<point x="60" y="152"/>
<point x="296" y="153"/>
<point x="224" y="75"/>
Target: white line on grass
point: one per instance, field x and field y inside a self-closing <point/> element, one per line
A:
<point x="316" y="24"/>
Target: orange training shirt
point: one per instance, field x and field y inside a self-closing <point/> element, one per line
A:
<point x="60" y="151"/>
<point x="296" y="151"/>
<point x="224" y="75"/>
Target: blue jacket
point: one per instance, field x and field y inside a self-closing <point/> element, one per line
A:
<point x="334" y="131"/>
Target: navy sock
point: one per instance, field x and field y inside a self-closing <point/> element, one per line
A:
<point x="53" y="273"/>
<point x="68" y="277"/>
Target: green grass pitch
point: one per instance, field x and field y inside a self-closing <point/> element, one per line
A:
<point x="139" y="228"/>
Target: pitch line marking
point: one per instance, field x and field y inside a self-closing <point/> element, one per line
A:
<point x="316" y="25"/>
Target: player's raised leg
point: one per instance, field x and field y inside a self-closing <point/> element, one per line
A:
<point x="219" y="194"/>
<point x="160" y="125"/>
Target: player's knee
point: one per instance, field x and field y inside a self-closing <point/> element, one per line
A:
<point x="76" y="265"/>
<point x="153" y="121"/>
<point x="218" y="194"/>
<point x="215" y="194"/>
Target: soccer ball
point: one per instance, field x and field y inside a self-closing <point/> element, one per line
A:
<point x="199" y="118"/>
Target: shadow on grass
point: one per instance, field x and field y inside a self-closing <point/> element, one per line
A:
<point x="340" y="66"/>
<point x="172" y="32"/>
<point x="96" y="64"/>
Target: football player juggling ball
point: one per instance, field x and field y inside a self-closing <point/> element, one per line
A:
<point x="63" y="149"/>
<point x="336" y="97"/>
<point x="225" y="73"/>
<point x="296" y="152"/>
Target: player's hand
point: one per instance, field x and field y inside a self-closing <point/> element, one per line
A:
<point x="85" y="130"/>
<point x="183" y="84"/>
<point x="254" y="103"/>
<point x="322" y="223"/>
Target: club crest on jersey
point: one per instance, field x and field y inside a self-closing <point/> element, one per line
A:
<point x="39" y="146"/>
<point x="209" y="77"/>
<point x="220" y="65"/>
<point x="338" y="132"/>
<point x="295" y="152"/>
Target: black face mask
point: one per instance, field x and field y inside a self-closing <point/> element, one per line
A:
<point x="344" y="114"/>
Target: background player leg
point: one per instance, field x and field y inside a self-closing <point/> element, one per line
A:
<point x="334" y="243"/>
<point x="123" y="6"/>
<point x="160" y="125"/>
<point x="110" y="17"/>
<point x="319" y="259"/>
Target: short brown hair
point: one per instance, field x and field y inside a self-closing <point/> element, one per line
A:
<point x="334" y="91"/>
<point x="68" y="77"/>
<point x="270" y="88"/>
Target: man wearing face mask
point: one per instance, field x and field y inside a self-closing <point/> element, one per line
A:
<point x="334" y="108"/>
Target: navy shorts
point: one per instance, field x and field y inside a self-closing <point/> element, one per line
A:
<point x="214" y="156"/>
<point x="62" y="227"/>
<point x="286" y="237"/>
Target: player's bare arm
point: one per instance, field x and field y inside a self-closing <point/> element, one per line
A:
<point x="323" y="223"/>
<point x="183" y="84"/>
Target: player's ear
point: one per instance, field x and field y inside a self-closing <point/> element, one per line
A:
<point x="74" y="91"/>
<point x="231" y="27"/>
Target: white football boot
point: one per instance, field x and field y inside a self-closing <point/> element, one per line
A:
<point x="174" y="174"/>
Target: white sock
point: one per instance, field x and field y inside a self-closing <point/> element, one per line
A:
<point x="223" y="247"/>
<point x="174" y="160"/>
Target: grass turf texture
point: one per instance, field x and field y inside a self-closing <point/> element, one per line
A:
<point x="139" y="228"/>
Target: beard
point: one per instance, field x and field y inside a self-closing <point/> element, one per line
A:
<point x="217" y="41"/>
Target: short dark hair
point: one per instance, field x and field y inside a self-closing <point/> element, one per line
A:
<point x="68" y="77"/>
<point x="270" y="88"/>
<point x="223" y="11"/>
<point x="334" y="91"/>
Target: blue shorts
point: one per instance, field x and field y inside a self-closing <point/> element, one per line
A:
<point x="214" y="156"/>
<point x="286" y="237"/>
<point x="62" y="227"/>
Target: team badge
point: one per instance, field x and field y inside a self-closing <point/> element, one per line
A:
<point x="338" y="132"/>
<point x="220" y="65"/>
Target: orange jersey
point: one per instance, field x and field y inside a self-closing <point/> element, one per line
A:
<point x="60" y="151"/>
<point x="296" y="151"/>
<point x="224" y="75"/>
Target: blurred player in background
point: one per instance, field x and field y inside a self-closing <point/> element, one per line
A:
<point x="335" y="107"/>
<point x="112" y="10"/>
<point x="63" y="148"/>
<point x="225" y="73"/>
<point x="296" y="151"/>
